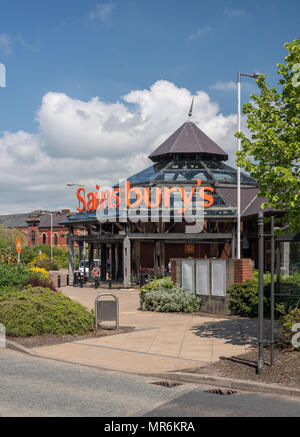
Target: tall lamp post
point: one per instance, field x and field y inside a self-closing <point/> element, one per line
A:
<point x="51" y="228"/>
<point x="254" y="76"/>
<point x="79" y="186"/>
<point x="76" y="185"/>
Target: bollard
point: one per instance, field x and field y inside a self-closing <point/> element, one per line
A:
<point x="68" y="280"/>
<point x="81" y="281"/>
<point x="58" y="281"/>
<point x="142" y="280"/>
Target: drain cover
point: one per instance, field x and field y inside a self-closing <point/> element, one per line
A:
<point x="221" y="391"/>
<point x="169" y="384"/>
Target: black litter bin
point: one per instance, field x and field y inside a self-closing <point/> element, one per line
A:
<point x="143" y="279"/>
<point x="76" y="279"/>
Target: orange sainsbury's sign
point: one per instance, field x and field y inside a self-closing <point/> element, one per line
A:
<point x="134" y="197"/>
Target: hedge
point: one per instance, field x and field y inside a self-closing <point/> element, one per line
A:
<point x="39" y="311"/>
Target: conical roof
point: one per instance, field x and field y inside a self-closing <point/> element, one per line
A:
<point x="189" y="140"/>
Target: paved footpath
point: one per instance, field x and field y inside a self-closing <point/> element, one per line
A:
<point x="161" y="342"/>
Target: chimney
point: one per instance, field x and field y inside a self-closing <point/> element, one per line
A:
<point x="65" y="211"/>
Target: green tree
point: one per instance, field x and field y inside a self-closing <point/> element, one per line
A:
<point x="8" y="238"/>
<point x="8" y="251"/>
<point x="272" y="154"/>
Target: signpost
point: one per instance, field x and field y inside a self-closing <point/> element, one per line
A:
<point x="19" y="248"/>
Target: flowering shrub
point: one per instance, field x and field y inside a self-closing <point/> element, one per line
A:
<point x="19" y="276"/>
<point x="286" y="323"/>
<point x="37" y="258"/>
<point x="156" y="284"/>
<point x="42" y="273"/>
<point x="37" y="282"/>
<point x="7" y="257"/>
<point x="43" y="262"/>
<point x="173" y="299"/>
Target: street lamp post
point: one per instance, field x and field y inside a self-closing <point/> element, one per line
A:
<point x="79" y="186"/>
<point x="254" y="76"/>
<point x="76" y="185"/>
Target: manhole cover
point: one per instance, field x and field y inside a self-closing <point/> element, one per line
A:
<point x="221" y="391"/>
<point x="169" y="384"/>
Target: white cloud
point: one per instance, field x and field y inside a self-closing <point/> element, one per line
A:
<point x="231" y="86"/>
<point x="199" y="33"/>
<point x="234" y="12"/>
<point x="224" y="86"/>
<point x="102" y="12"/>
<point x="96" y="142"/>
<point x="5" y="44"/>
<point x="31" y="46"/>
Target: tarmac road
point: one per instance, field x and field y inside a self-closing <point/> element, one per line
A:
<point x="34" y="387"/>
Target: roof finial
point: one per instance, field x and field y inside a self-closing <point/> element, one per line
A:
<point x="191" y="108"/>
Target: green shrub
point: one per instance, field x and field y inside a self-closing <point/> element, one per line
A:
<point x="295" y="278"/>
<point x="170" y="300"/>
<point x="27" y="254"/>
<point x="8" y="239"/>
<point x="287" y="322"/>
<point x="13" y="275"/>
<point x="244" y="298"/>
<point x="43" y="262"/>
<point x="60" y="255"/>
<point x="156" y="284"/>
<point x="19" y="276"/>
<point x="38" y="311"/>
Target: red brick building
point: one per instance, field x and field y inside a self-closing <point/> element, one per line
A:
<point x="36" y="227"/>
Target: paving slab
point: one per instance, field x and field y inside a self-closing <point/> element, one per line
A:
<point x="161" y="341"/>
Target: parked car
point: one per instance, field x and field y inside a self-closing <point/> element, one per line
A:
<point x="84" y="266"/>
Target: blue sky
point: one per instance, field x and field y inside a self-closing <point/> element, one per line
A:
<point x="109" y="49"/>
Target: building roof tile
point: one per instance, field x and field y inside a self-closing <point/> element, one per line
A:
<point x="189" y="139"/>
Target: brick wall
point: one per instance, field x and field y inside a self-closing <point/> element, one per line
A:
<point x="243" y="270"/>
<point x="55" y="275"/>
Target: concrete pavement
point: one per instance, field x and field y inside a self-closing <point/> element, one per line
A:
<point x="161" y="342"/>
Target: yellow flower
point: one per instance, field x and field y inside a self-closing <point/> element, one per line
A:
<point x="42" y="272"/>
